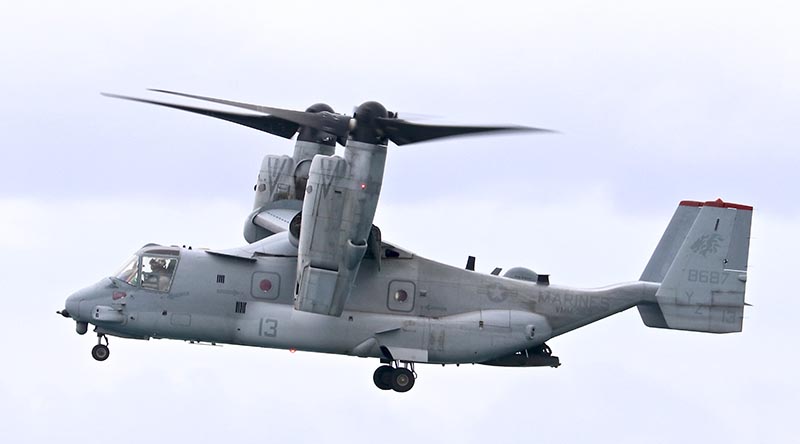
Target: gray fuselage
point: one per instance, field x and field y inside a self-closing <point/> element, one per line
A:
<point x="412" y="309"/>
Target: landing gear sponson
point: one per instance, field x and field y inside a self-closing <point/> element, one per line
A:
<point x="391" y="376"/>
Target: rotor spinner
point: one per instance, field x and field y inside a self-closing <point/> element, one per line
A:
<point x="314" y="135"/>
<point x="365" y="121"/>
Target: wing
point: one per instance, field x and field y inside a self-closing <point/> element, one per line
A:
<point x="284" y="245"/>
<point x="275" y="220"/>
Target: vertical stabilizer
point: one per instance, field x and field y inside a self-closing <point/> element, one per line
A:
<point x="664" y="254"/>
<point x="671" y="241"/>
<point x="703" y="289"/>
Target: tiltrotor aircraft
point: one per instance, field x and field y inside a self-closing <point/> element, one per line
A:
<point x="317" y="275"/>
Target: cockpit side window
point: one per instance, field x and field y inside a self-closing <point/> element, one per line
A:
<point x="157" y="272"/>
<point x="130" y="271"/>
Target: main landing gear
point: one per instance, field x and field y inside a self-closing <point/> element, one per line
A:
<point x="399" y="379"/>
<point x="100" y="352"/>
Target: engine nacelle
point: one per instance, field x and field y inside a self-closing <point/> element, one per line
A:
<point x="320" y="254"/>
<point x="338" y="209"/>
<point x="276" y="180"/>
<point x="282" y="183"/>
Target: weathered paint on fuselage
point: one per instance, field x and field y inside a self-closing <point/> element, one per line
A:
<point x="452" y="315"/>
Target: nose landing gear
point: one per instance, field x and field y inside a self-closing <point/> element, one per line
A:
<point x="399" y="379"/>
<point x="100" y="351"/>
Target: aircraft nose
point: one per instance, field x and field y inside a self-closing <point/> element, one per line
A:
<point x="74" y="307"/>
<point x="73" y="304"/>
<point x="73" y="310"/>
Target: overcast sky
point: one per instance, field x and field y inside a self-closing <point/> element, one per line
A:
<point x="655" y="102"/>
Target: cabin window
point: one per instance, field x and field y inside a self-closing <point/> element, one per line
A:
<point x="401" y="296"/>
<point x="157" y="272"/>
<point x="265" y="285"/>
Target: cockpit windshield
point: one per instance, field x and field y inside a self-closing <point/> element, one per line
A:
<point x="152" y="269"/>
<point x="130" y="271"/>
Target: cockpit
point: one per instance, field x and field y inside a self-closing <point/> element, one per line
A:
<point x="152" y="268"/>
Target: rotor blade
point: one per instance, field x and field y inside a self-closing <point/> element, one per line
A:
<point x="402" y="132"/>
<point x="270" y="124"/>
<point x="332" y="123"/>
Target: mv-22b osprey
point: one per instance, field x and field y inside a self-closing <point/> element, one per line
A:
<point x="317" y="275"/>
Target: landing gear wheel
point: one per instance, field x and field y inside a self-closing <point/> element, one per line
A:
<point x="382" y="377"/>
<point x="100" y="352"/>
<point x="402" y="380"/>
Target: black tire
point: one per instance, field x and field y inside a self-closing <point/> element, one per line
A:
<point x="382" y="377"/>
<point x="402" y="380"/>
<point x="100" y="352"/>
